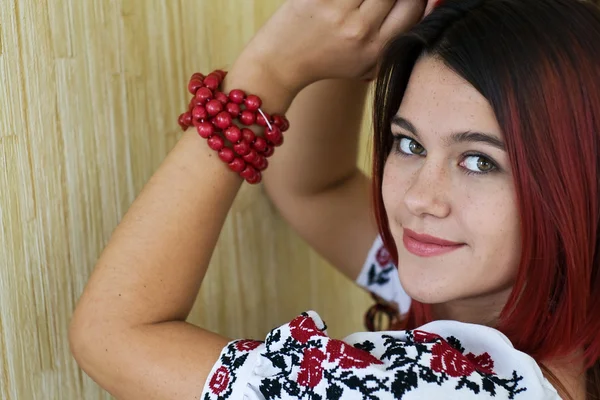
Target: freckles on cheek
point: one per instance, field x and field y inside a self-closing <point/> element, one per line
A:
<point x="495" y="221"/>
<point x="390" y="187"/>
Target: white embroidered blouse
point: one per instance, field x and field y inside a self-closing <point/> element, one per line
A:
<point x="440" y="360"/>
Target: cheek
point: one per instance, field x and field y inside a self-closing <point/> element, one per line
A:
<point x="393" y="187"/>
<point x="493" y="221"/>
<point x="387" y="187"/>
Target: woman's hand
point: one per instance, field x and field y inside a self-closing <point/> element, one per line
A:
<point x="431" y="4"/>
<point x="309" y="40"/>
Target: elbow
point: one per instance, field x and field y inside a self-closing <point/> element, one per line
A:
<point x="92" y="343"/>
<point x="81" y="342"/>
<point x="89" y="336"/>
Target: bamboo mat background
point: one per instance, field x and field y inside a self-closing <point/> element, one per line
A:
<point x="90" y="95"/>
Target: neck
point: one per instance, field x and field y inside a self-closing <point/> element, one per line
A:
<point x="568" y="376"/>
<point x="482" y="310"/>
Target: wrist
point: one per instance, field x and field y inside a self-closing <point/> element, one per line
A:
<point x="254" y="73"/>
<point x="220" y="118"/>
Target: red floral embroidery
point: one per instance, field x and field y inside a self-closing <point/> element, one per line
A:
<point x="445" y="358"/>
<point x="483" y="363"/>
<point x="303" y="328"/>
<point x="219" y="381"/>
<point x="425" y="337"/>
<point x="349" y="356"/>
<point x="383" y="256"/>
<point x="247" y="345"/>
<point x="304" y="365"/>
<point x="311" y="370"/>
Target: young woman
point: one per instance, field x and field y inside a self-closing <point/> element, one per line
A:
<point x="486" y="196"/>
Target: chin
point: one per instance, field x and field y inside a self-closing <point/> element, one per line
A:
<point x="432" y="287"/>
<point x="423" y="291"/>
<point x="427" y="295"/>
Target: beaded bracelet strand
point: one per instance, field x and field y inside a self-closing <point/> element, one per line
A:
<point x="214" y="114"/>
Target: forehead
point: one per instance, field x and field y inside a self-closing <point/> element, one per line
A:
<point x="439" y="100"/>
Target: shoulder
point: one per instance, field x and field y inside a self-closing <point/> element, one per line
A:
<point x="442" y="359"/>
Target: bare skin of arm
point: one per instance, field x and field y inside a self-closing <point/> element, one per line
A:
<point x="129" y="330"/>
<point x="314" y="181"/>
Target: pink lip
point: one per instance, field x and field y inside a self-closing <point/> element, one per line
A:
<point x="427" y="246"/>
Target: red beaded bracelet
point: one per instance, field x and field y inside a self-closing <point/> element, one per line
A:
<point x="213" y="113"/>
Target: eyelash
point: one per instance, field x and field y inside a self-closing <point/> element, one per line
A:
<point x="397" y="150"/>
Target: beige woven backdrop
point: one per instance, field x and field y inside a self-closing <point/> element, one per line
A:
<point x="89" y="100"/>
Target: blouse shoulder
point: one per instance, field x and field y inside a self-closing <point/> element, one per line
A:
<point x="443" y="359"/>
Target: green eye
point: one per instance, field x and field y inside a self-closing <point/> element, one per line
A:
<point x="478" y="164"/>
<point x="410" y="146"/>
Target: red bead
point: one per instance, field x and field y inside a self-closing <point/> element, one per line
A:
<point x="261" y="163"/>
<point x="199" y="113"/>
<point x="277" y="120"/>
<point x="233" y="109"/>
<point x="212" y="81"/>
<point x="251" y="156"/>
<point x="205" y="129"/>
<point x="194" y="102"/>
<point x="242" y="148"/>
<point x="247" y="117"/>
<point x="226" y="154"/>
<point x="281" y="122"/>
<point x="253" y="102"/>
<point x="216" y="142"/>
<point x="197" y="122"/>
<point x="216" y="75"/>
<point x="237" y="165"/>
<point x="222" y="97"/>
<point x="220" y="73"/>
<point x="194" y="85"/>
<point x="197" y="75"/>
<point x="233" y="134"/>
<point x="260" y="120"/>
<point x="255" y="179"/>
<point x="237" y="96"/>
<point x="248" y="136"/>
<point x="274" y="136"/>
<point x="204" y="94"/>
<point x="181" y="122"/>
<point x="269" y="151"/>
<point x="187" y="118"/>
<point x="248" y="172"/>
<point x="214" y="107"/>
<point x="223" y="120"/>
<point x="260" y="144"/>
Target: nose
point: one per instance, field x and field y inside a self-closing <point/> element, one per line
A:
<point x="428" y="191"/>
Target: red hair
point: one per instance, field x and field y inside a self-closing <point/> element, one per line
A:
<point x="537" y="63"/>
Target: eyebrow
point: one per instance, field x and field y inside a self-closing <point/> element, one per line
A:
<point x="459" y="137"/>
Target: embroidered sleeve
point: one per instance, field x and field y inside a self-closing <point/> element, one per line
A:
<point x="379" y="276"/>
<point x="444" y="359"/>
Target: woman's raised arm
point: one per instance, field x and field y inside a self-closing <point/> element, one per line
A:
<point x="129" y="331"/>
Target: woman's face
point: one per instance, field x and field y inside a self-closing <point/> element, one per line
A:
<point x="448" y="193"/>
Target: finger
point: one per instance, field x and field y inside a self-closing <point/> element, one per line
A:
<point x="403" y="16"/>
<point x="348" y="4"/>
<point x="431" y="5"/>
<point x="375" y="12"/>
